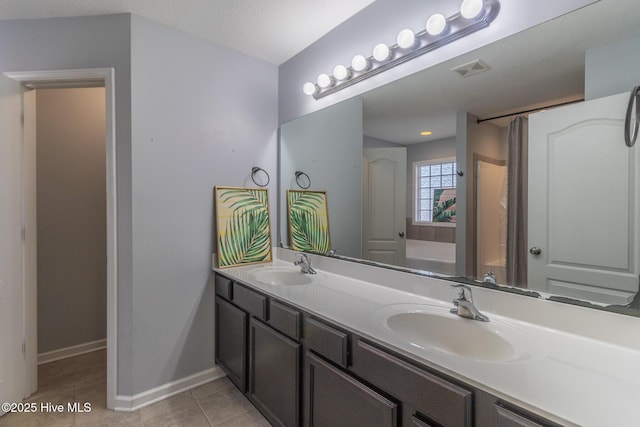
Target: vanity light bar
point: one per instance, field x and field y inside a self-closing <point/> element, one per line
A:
<point x="474" y="15"/>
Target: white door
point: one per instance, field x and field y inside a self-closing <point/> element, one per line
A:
<point x="583" y="209"/>
<point x="384" y="205"/>
<point x="11" y="289"/>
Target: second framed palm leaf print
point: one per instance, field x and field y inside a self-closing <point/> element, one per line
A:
<point x="308" y="218"/>
<point x="242" y="222"/>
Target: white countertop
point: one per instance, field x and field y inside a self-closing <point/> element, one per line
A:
<point x="571" y="378"/>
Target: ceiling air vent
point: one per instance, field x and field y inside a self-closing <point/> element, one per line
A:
<point x="471" y="68"/>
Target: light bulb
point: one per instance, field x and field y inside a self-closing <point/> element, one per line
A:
<point x="340" y="72"/>
<point x="436" y="24"/>
<point x="360" y="63"/>
<point x="381" y="52"/>
<point x="309" y="88"/>
<point x="471" y="8"/>
<point x="324" y="81"/>
<point x="406" y="39"/>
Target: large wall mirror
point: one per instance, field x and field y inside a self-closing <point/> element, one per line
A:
<point x="476" y="199"/>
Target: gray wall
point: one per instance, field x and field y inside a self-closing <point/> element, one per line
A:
<point x="89" y="42"/>
<point x="612" y="69"/>
<point x="71" y="200"/>
<point x="202" y="116"/>
<point x="310" y="144"/>
<point x="380" y="22"/>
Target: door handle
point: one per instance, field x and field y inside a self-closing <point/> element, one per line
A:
<point x="535" y="251"/>
<point x="401" y="234"/>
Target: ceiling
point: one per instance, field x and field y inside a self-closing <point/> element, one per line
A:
<point x="541" y="66"/>
<point x="272" y="30"/>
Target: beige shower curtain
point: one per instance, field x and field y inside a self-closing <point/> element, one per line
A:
<point x="517" y="202"/>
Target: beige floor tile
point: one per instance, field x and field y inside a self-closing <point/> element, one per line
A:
<point x="182" y="403"/>
<point x="83" y="379"/>
<point x="208" y="389"/>
<point x="108" y="418"/>
<point x="224" y="406"/>
<point x="193" y="418"/>
<point x="253" y="418"/>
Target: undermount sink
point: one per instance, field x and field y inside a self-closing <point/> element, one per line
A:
<point x="435" y="328"/>
<point x="287" y="276"/>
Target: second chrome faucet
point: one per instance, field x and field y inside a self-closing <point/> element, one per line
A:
<point x="464" y="307"/>
<point x="305" y="264"/>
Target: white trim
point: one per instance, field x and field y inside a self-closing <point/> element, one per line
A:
<point x="63" y="77"/>
<point x="75" y="350"/>
<point x="133" y="403"/>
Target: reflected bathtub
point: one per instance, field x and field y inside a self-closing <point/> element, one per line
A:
<point x="437" y="257"/>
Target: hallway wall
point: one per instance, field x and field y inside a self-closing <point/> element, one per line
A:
<point x="71" y="200"/>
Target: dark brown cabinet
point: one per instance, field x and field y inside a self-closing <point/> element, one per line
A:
<point x="426" y="398"/>
<point x="335" y="398"/>
<point x="274" y="374"/>
<point x="300" y="369"/>
<point x="231" y="342"/>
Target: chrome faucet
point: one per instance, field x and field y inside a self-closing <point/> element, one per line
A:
<point x="464" y="306"/>
<point x="489" y="278"/>
<point x="305" y="264"/>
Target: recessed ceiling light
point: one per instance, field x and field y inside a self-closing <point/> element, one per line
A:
<point x="425" y="133"/>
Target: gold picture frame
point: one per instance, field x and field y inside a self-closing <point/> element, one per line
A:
<point x="243" y="227"/>
<point x="308" y="219"/>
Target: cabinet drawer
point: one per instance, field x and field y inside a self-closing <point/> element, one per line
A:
<point x="223" y="287"/>
<point x="248" y="300"/>
<point x="509" y="418"/>
<point x="433" y="397"/>
<point x="327" y="341"/>
<point x="285" y="319"/>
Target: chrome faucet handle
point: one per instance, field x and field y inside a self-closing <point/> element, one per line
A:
<point x="461" y="295"/>
<point x="464" y="306"/>
<point x="333" y="252"/>
<point x="305" y="264"/>
<point x="302" y="258"/>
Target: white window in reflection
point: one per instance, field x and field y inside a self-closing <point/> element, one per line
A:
<point x="430" y="178"/>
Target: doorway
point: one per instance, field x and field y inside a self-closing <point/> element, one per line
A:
<point x="65" y="79"/>
<point x="71" y="221"/>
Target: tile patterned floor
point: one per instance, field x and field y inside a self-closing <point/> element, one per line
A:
<point x="83" y="379"/>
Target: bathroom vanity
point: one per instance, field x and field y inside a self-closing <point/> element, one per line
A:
<point x="358" y="345"/>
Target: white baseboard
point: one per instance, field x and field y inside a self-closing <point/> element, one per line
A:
<point x="76" y="350"/>
<point x="132" y="403"/>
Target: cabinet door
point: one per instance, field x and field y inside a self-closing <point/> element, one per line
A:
<point x="274" y="374"/>
<point x="334" y="398"/>
<point x="231" y="339"/>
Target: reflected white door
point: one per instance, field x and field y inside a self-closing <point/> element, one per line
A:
<point x="583" y="202"/>
<point x="11" y="288"/>
<point x="384" y="204"/>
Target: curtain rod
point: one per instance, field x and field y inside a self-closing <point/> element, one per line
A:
<point x="530" y="111"/>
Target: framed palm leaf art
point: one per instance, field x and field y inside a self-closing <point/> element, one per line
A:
<point x="444" y="205"/>
<point x="308" y="217"/>
<point x="243" y="226"/>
